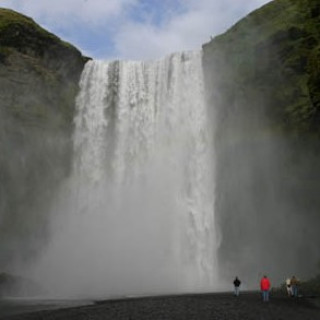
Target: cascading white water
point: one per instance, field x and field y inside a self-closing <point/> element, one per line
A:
<point x="139" y="214"/>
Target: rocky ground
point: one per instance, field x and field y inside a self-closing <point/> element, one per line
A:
<point x="218" y="306"/>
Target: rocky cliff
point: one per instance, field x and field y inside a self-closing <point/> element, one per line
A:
<point x="263" y="80"/>
<point x="39" y="76"/>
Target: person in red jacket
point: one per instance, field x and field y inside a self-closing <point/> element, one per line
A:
<point x="265" y="288"/>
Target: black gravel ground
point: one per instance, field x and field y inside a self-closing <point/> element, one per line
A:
<point x="216" y="306"/>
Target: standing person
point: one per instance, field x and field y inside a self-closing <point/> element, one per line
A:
<point x="236" y="283"/>
<point x="288" y="286"/>
<point x="294" y="286"/>
<point x="265" y="288"/>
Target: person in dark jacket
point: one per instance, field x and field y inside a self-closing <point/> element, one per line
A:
<point x="236" y="283"/>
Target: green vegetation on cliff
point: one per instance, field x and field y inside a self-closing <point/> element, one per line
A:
<point x="272" y="55"/>
<point x="30" y="58"/>
<point x="263" y="79"/>
<point x="22" y="33"/>
<point x="39" y="77"/>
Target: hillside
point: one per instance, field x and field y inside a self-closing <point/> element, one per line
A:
<point x="263" y="79"/>
<point x="39" y="76"/>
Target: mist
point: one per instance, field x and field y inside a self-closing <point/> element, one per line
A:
<point x="136" y="215"/>
<point x="169" y="190"/>
<point x="266" y="199"/>
<point x="179" y="174"/>
<point x="35" y="144"/>
<point x="32" y="163"/>
<point x="266" y="224"/>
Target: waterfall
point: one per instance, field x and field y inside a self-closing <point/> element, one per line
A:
<point x="138" y="214"/>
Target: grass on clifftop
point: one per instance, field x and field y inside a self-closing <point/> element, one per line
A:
<point x="9" y="17"/>
<point x="12" y="24"/>
<point x="274" y="17"/>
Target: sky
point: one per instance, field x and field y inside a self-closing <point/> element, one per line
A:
<point x="134" y="29"/>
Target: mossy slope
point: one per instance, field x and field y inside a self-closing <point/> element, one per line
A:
<point x="274" y="52"/>
<point x="39" y="77"/>
<point x="263" y="79"/>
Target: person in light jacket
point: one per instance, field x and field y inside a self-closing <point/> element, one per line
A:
<point x="288" y="286"/>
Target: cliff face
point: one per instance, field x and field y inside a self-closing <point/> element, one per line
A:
<point x="263" y="79"/>
<point x="39" y="76"/>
